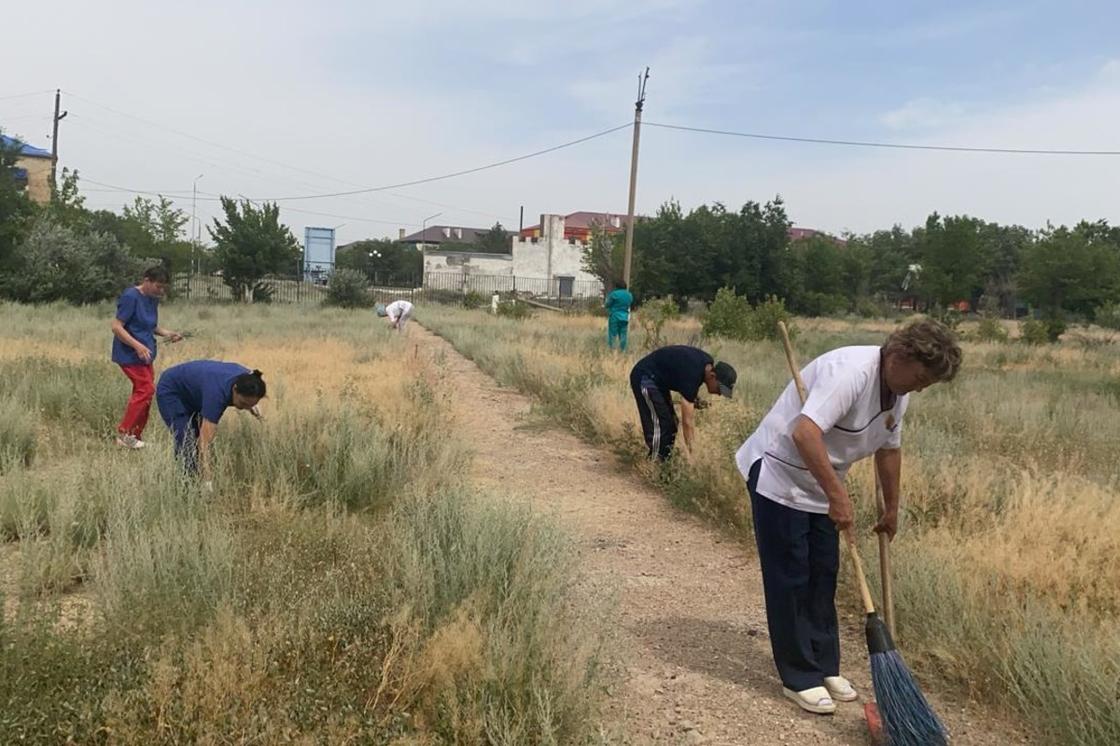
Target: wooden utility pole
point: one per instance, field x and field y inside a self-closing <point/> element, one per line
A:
<point x="54" y="141"/>
<point x="634" y="175"/>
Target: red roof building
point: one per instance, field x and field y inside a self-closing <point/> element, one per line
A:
<point x="577" y="226"/>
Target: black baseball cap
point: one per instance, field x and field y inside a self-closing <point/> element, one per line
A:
<point x="726" y="376"/>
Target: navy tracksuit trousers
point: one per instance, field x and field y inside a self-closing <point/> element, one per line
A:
<point x="800" y="555"/>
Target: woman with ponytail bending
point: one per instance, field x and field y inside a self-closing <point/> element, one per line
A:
<point x="193" y="396"/>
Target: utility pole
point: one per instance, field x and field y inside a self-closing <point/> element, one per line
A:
<point x="642" y="78"/>
<point x="195" y="232"/>
<point x="54" y="141"/>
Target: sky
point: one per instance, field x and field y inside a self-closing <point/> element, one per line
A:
<point x="293" y="99"/>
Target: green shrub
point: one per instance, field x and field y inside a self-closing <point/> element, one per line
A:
<point x="348" y="288"/>
<point x="655" y="313"/>
<point x="732" y="316"/>
<point x="515" y="309"/>
<point x="824" y="304"/>
<point x="729" y="316"/>
<point x="1040" y="331"/>
<point x="474" y="299"/>
<point x="991" y="330"/>
<point x="1108" y="315"/>
<point x="871" y="308"/>
<point x="57" y="263"/>
<point x="767" y="314"/>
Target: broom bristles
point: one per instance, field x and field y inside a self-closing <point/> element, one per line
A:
<point x="907" y="717"/>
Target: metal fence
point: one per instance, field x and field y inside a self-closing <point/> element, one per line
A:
<point x="434" y="287"/>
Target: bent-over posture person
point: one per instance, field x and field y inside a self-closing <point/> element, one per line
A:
<point x="193" y="396"/>
<point x="675" y="368"/>
<point x="135" y="328"/>
<point x="795" y="464"/>
<point x="398" y="312"/>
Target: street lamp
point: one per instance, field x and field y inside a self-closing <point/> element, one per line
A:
<point x="424" y="227"/>
<point x="194" y="222"/>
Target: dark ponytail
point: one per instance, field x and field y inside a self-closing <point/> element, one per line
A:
<point x="250" y="384"/>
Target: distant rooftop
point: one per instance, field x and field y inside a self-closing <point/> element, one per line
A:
<point x="446" y="234"/>
<point x="28" y="151"/>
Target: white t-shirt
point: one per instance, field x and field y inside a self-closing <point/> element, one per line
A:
<point x="855" y="411"/>
<point x="398" y="308"/>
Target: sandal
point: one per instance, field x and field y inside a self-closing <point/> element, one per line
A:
<point x="840" y="688"/>
<point x="816" y="700"/>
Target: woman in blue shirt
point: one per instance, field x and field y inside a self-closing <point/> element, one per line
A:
<point x="193" y="396"/>
<point x="135" y="328"/>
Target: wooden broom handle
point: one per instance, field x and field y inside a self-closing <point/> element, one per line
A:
<point x="857" y="565"/>
<point x="884" y="559"/>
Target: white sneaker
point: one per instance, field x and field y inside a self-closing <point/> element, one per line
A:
<point x="816" y="700"/>
<point x="840" y="688"/>
<point x="130" y="441"/>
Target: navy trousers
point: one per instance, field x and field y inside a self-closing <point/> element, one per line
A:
<point x="800" y="555"/>
<point x="655" y="409"/>
<point x="184" y="426"/>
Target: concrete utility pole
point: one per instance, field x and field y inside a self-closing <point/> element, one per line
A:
<point x="54" y="141"/>
<point x="634" y="174"/>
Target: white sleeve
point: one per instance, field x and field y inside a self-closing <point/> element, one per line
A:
<point x="834" y="391"/>
<point x="895" y="438"/>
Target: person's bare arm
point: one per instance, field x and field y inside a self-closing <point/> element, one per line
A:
<point x="888" y="465"/>
<point x="688" y="423"/>
<point x="122" y="334"/>
<point x="809" y="439"/>
<point x="206" y="435"/>
<point x="172" y="336"/>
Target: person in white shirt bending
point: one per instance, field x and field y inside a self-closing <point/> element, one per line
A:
<point x="795" y="464"/>
<point x="398" y="313"/>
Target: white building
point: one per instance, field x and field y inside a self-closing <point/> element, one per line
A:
<point x="549" y="266"/>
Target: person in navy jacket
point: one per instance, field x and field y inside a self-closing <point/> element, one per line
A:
<point x="193" y="396"/>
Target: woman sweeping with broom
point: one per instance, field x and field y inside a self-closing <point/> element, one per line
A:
<point x="795" y="464"/>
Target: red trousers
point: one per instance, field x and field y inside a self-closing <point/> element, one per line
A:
<point x="140" y="403"/>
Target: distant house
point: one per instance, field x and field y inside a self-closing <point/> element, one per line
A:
<point x="798" y="234"/>
<point x="33" y="169"/>
<point x="548" y="264"/>
<point x="577" y="226"/>
<point x="436" y="235"/>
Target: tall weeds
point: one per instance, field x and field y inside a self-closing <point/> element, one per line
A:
<point x="342" y="584"/>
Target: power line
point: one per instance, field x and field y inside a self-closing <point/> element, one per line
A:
<point x="217" y="198"/>
<point x="254" y="171"/>
<point x="454" y="174"/>
<point x="892" y="145"/>
<point x="26" y="95"/>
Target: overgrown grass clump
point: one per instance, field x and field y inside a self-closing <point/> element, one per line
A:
<point x="343" y="584"/>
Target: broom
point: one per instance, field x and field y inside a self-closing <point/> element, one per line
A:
<point x="906" y="715"/>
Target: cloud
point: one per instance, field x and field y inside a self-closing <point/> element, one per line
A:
<point x="924" y="113"/>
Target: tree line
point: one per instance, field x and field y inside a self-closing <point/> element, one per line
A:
<point x="949" y="261"/>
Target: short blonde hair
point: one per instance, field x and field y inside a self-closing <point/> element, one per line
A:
<point x="929" y="342"/>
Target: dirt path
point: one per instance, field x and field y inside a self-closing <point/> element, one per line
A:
<point x="691" y="650"/>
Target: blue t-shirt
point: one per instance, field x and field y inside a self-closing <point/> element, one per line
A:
<point x="138" y="313"/>
<point x="203" y="387"/>
<point x="677" y="368"/>
<point x="618" y="303"/>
